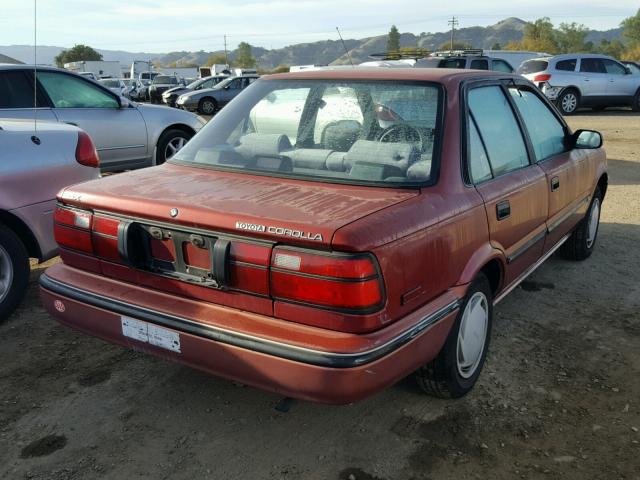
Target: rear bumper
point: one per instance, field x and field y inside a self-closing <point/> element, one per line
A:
<point x="309" y="363"/>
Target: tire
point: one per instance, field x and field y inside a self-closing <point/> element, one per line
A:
<point x="169" y="143"/>
<point x="207" y="106"/>
<point x="14" y="271"/>
<point x="582" y="241"/>
<point x="568" y="101"/>
<point x="449" y="375"/>
<point x="635" y="106"/>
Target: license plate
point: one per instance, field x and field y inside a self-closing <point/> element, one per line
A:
<point x="151" y="334"/>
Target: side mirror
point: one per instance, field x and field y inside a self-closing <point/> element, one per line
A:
<point x="587" y="139"/>
<point x="628" y="70"/>
<point x="124" y="103"/>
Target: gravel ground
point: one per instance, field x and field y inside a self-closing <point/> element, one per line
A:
<point x="559" y="397"/>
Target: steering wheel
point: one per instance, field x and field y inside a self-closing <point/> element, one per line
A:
<point x="402" y="132"/>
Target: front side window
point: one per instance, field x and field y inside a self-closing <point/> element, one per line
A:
<point x="592" y="65"/>
<point x="69" y="91"/>
<point x="613" y="68"/>
<point x="357" y="132"/>
<point x="498" y="128"/>
<point x="545" y="130"/>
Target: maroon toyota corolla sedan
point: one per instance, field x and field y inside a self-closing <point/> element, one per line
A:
<point x="329" y="233"/>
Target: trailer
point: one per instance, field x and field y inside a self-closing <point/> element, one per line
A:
<point x="100" y="69"/>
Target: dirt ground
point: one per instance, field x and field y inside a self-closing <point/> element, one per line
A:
<point x="559" y="397"/>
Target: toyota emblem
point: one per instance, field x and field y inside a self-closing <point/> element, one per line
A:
<point x="174" y="212"/>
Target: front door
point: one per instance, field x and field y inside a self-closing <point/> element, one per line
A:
<point x="594" y="79"/>
<point x="513" y="189"/>
<point x="119" y="134"/>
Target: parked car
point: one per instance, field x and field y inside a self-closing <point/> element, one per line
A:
<point x="584" y="80"/>
<point x="34" y="166"/>
<point x="472" y="59"/>
<point x="328" y="263"/>
<point x="116" y="85"/>
<point x="171" y="96"/>
<point x="127" y="135"/>
<point x="89" y="75"/>
<point x="633" y="66"/>
<point x="209" y="100"/>
<point x="161" y="84"/>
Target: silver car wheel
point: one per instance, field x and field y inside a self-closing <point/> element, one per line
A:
<point x="208" y="107"/>
<point x="569" y="102"/>
<point x="174" y="146"/>
<point x="594" y="221"/>
<point x="472" y="334"/>
<point x="6" y="273"/>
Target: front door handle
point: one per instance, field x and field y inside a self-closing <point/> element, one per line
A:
<point x="555" y="184"/>
<point x="72" y="123"/>
<point x="503" y="210"/>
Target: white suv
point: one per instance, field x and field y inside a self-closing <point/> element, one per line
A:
<point x="582" y="80"/>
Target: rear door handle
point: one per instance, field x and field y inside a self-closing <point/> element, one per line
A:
<point x="503" y="210"/>
<point x="555" y="184"/>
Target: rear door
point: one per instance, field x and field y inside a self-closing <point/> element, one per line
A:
<point x="513" y="188"/>
<point x="16" y="97"/>
<point x="120" y="134"/>
<point x="567" y="171"/>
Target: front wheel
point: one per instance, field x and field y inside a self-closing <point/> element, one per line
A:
<point x="456" y="369"/>
<point x="207" y="106"/>
<point x="14" y="271"/>
<point x="635" y="106"/>
<point x="170" y="143"/>
<point x="580" y="245"/>
<point x="568" y="102"/>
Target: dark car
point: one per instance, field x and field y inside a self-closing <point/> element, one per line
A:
<point x="161" y="84"/>
<point x="208" y="101"/>
<point x="470" y="59"/>
<point x="170" y="96"/>
<point x="331" y="232"/>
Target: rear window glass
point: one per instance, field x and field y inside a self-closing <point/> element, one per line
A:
<point x="165" y="79"/>
<point x="533" y="66"/>
<point x="356" y="132"/>
<point x="567" y="65"/>
<point x="453" y="63"/>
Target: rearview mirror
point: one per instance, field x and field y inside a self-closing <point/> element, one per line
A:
<point x="588" y="139"/>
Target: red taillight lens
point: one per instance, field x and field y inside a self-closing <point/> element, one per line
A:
<point x="72" y="229"/>
<point x="105" y="238"/>
<point x="542" y="77"/>
<point x="336" y="281"/>
<point x="86" y="153"/>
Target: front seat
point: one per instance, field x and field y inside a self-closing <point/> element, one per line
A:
<point x="340" y="135"/>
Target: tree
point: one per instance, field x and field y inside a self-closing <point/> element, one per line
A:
<point x="393" y="39"/>
<point x="217" y="58"/>
<point x="78" y="53"/>
<point x="614" y="48"/>
<point x="632" y="54"/>
<point x="538" y="36"/>
<point x="458" y="45"/>
<point x="496" y="46"/>
<point x="570" y="38"/>
<point x="244" y="59"/>
<point x="631" y="29"/>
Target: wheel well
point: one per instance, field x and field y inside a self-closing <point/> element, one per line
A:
<point x="574" y="88"/>
<point x="23" y="232"/>
<point x="178" y="126"/>
<point x="603" y="183"/>
<point x="493" y="272"/>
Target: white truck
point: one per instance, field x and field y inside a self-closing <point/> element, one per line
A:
<point x="100" y="69"/>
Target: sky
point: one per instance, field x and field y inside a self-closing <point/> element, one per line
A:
<point x="173" y="25"/>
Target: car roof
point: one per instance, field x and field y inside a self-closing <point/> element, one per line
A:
<point x="439" y="75"/>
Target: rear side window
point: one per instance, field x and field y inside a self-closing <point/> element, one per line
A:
<point x="567" y="65"/>
<point x="15" y="90"/>
<point x="499" y="129"/>
<point x="546" y="132"/>
<point x="479" y="64"/>
<point x="499" y="65"/>
<point x="592" y="65"/>
<point x="453" y="63"/>
<point x="533" y="66"/>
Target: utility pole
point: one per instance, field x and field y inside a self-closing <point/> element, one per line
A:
<point x="226" y="56"/>
<point x="454" y="23"/>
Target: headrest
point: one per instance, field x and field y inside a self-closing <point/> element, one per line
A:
<point x="263" y="144"/>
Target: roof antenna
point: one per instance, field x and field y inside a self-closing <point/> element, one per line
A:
<point x="34" y="137"/>
<point x="345" y="48"/>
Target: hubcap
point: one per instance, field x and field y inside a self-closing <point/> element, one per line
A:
<point x="569" y="102"/>
<point x="594" y="220"/>
<point x="472" y="334"/>
<point x="208" y="107"/>
<point x="6" y="273"/>
<point x="174" y="146"/>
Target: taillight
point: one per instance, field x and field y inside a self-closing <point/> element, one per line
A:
<point x="72" y="229"/>
<point x="105" y="238"/>
<point x="343" y="282"/>
<point x="86" y="153"/>
<point x="542" y="77"/>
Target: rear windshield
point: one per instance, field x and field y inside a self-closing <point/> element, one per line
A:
<point x="165" y="79"/>
<point x="357" y="132"/>
<point x="533" y="66"/>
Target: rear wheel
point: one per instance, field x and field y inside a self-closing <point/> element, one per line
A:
<point x="456" y="369"/>
<point x="207" y="106"/>
<point x="582" y="241"/>
<point x="170" y="143"/>
<point x="14" y="271"/>
<point x="568" y="102"/>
